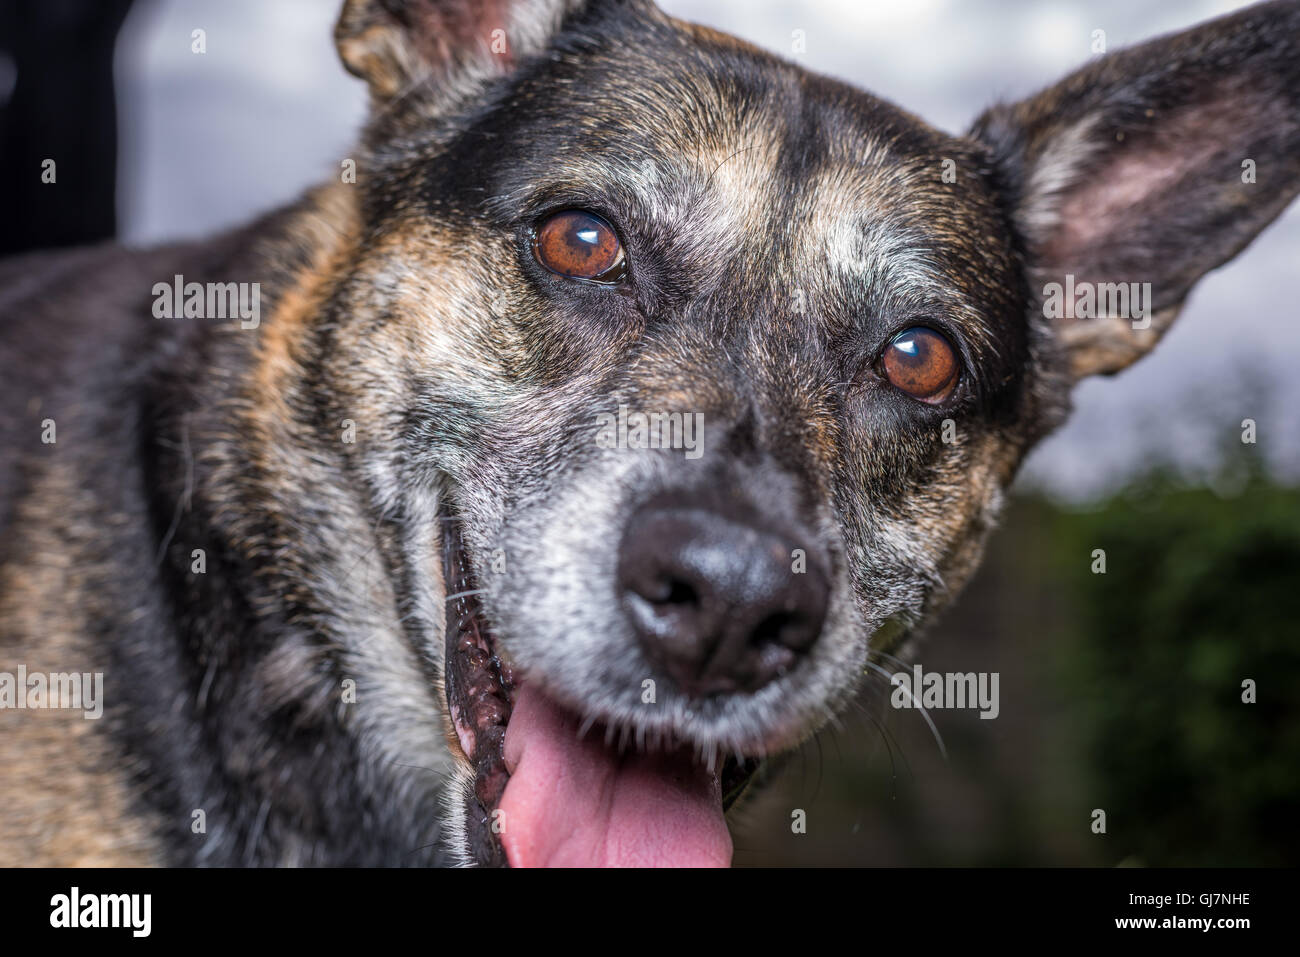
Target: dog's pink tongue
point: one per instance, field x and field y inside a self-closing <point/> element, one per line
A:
<point x="577" y="803"/>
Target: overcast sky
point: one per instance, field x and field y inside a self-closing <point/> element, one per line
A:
<point x="210" y="140"/>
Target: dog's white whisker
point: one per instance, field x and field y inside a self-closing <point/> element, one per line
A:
<point x="916" y="704"/>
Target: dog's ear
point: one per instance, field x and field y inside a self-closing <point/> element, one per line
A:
<point x="1152" y="165"/>
<point x="396" y="44"/>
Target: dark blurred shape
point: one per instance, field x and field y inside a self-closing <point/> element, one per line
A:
<point x="1199" y="597"/>
<point x="61" y="107"/>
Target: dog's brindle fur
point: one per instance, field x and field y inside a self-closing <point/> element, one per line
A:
<point x="780" y="226"/>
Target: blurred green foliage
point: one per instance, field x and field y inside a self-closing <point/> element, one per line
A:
<point x="1200" y="593"/>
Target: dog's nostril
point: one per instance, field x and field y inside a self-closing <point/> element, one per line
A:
<point x="783" y="629"/>
<point x="714" y="599"/>
<point x="677" y="592"/>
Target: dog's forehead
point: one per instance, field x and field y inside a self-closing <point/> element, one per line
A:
<point x="738" y="154"/>
<point x="757" y="185"/>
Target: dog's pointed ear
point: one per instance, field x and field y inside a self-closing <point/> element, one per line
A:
<point x="396" y="44"/>
<point x="1151" y="166"/>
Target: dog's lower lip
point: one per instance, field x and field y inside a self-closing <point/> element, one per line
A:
<point x="479" y="689"/>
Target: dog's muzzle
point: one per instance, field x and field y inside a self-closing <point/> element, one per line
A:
<point x="723" y="600"/>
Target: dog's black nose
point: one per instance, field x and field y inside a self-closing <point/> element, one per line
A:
<point x="719" y="601"/>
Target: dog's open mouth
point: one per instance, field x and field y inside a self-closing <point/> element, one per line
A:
<point x="546" y="795"/>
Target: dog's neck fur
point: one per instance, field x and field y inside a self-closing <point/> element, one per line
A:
<point x="320" y="661"/>
<point x="189" y="455"/>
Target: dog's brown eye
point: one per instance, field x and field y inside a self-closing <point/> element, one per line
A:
<point x="581" y="246"/>
<point x="922" y="363"/>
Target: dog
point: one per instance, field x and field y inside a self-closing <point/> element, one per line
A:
<point x="511" y="500"/>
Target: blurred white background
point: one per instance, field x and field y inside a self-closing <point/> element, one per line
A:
<point x="207" y="141"/>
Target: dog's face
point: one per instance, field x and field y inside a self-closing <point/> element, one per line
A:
<point x="579" y="216"/>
